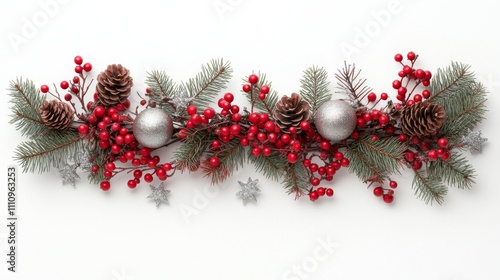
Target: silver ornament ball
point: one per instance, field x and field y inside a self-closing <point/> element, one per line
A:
<point x="335" y="120"/>
<point x="153" y="128"/>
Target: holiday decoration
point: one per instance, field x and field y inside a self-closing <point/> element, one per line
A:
<point x="153" y="128"/>
<point x="335" y="120"/>
<point x="422" y="125"/>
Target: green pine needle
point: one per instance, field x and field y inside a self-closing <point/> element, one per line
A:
<point x="463" y="99"/>
<point x="272" y="166"/>
<point x="231" y="158"/>
<point x="163" y="89"/>
<point x="455" y="171"/>
<point x="192" y="148"/>
<point x="374" y="160"/>
<point x="26" y="100"/>
<point x="297" y="179"/>
<point x="314" y="88"/>
<point x="212" y="79"/>
<point x="429" y="188"/>
<point x="54" y="149"/>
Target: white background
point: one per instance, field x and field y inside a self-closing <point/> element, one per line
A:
<point x="84" y="233"/>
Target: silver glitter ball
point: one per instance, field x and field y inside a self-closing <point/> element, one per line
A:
<point x="335" y="120"/>
<point x="153" y="128"/>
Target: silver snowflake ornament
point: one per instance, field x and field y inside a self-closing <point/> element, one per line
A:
<point x="474" y="142"/>
<point x="84" y="159"/>
<point x="249" y="190"/>
<point x="68" y="174"/>
<point x="159" y="194"/>
<point x="181" y="99"/>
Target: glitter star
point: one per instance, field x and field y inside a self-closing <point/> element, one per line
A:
<point x="181" y="99"/>
<point x="474" y="142"/>
<point x="159" y="194"/>
<point x="68" y="173"/>
<point x="84" y="159"/>
<point x="249" y="191"/>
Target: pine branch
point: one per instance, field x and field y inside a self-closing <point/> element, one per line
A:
<point x="296" y="180"/>
<point x="192" y="148"/>
<point x="163" y="89"/>
<point x="272" y="166"/>
<point x="314" y="88"/>
<point x="26" y="100"/>
<point x="455" y="171"/>
<point x="463" y="99"/>
<point x="213" y="78"/>
<point x="374" y="160"/>
<point x="269" y="103"/>
<point x="54" y="149"/>
<point x="100" y="158"/>
<point x="231" y="158"/>
<point x="429" y="188"/>
<point x="349" y="82"/>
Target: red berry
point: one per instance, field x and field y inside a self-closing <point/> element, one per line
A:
<point x="360" y="122"/>
<point x="407" y="69"/>
<point x="401" y="74"/>
<point x="410" y="103"/>
<point x="229" y="97"/>
<point x="398" y="57"/>
<point x="402" y="91"/>
<point x="383" y="119"/>
<point x="313" y="196"/>
<point x="191" y="109"/>
<point x="426" y="94"/>
<point x="378" y="191"/>
<point x="313" y="167"/>
<point x="104" y="135"/>
<point x="263" y="118"/>
<point x="344" y="162"/>
<point x="372" y="97"/>
<point x="266" y="151"/>
<point x="419" y="73"/>
<point x="83" y="128"/>
<point x="253" y="118"/>
<point x="432" y="155"/>
<point x="403" y="137"/>
<point x="417" y="98"/>
<point x="76" y="79"/>
<point x="292" y="157"/>
<point x="214" y="161"/>
<point x="68" y="97"/>
<point x="425" y="83"/>
<point x="321" y="191"/>
<point x="87" y="67"/>
<point x="235" y="129"/>
<point x="329" y="192"/>
<point x="417" y="164"/>
<point x="409" y="156"/>
<point x="78" y="60"/>
<point x="315" y="181"/>
<point x="388" y="198"/>
<point x="264" y="89"/>
<point x="64" y="85"/>
<point x="44" y="88"/>
<point x="269" y="126"/>
<point x="305" y="125"/>
<point x="262" y="96"/>
<point x="396" y="84"/>
<point x="167" y="166"/>
<point x="78" y="69"/>
<point x="393" y="184"/>
<point x="105" y="185"/>
<point x="148" y="177"/>
<point x="383" y="96"/>
<point x="132" y="184"/>
<point x="256" y="152"/>
<point x="253" y="79"/>
<point x="411" y="56"/>
<point x="247" y="88"/>
<point x="338" y="155"/>
<point x="443" y="142"/>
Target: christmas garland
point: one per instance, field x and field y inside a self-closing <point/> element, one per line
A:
<point x="301" y="139"/>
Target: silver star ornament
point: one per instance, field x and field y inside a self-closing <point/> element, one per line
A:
<point x="159" y="194"/>
<point x="248" y="192"/>
<point x="474" y="142"/>
<point x="68" y="174"/>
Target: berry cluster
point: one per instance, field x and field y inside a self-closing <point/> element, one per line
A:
<point x="252" y="87"/>
<point x="409" y="79"/>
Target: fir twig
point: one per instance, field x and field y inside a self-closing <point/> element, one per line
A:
<point x="26" y="100"/>
<point x="314" y="88"/>
<point x="231" y="158"/>
<point x="163" y="89"/>
<point x="54" y="149"/>
<point x="192" y="148"/>
<point x="455" y="171"/>
<point x="296" y="180"/>
<point x="429" y="188"/>
<point x="349" y="82"/>
<point x="272" y="166"/>
<point x="213" y="78"/>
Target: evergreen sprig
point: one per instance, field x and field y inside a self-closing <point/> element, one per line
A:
<point x="374" y="160"/>
<point x="188" y="155"/>
<point x="428" y="187"/>
<point x="163" y="88"/>
<point x="314" y="88"/>
<point x="463" y="99"/>
<point x="349" y="81"/>
<point x="26" y="100"/>
<point x="273" y="166"/>
<point x="296" y="179"/>
<point x="211" y="80"/>
<point x="455" y="171"/>
<point x="53" y="149"/>
<point x="231" y="158"/>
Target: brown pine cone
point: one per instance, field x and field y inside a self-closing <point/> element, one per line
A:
<point x="291" y="111"/>
<point x="114" y="85"/>
<point x="56" y="115"/>
<point x="422" y="119"/>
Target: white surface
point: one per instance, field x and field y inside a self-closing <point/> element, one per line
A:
<point x="84" y="233"/>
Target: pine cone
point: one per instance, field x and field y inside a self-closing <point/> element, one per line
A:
<point x="114" y="85"/>
<point x="422" y="119"/>
<point x="291" y="111"/>
<point x="56" y="115"/>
